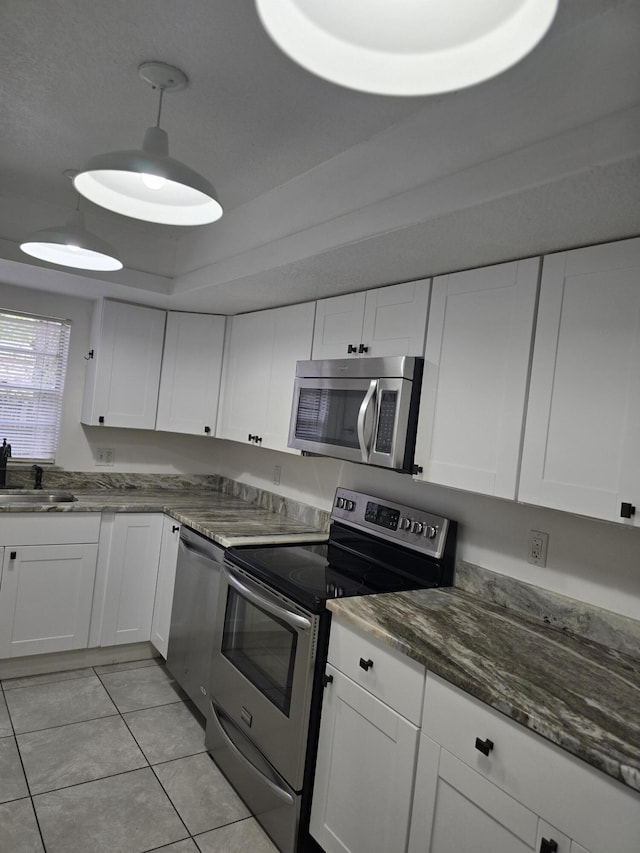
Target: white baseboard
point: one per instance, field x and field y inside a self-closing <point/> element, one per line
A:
<point x="76" y="659"/>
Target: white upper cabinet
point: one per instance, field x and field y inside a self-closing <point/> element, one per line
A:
<point x="475" y="377"/>
<point x="191" y="369"/>
<point x="386" y="321"/>
<point x="581" y="450"/>
<point x="123" y="374"/>
<point x="259" y="373"/>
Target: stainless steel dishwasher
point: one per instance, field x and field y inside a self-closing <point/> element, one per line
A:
<point x="195" y="600"/>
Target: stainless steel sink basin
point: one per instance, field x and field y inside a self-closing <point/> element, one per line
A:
<point x="33" y="496"/>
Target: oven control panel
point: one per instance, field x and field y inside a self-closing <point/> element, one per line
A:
<point x="408" y="526"/>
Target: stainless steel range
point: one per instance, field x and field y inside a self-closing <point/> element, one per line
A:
<point x="271" y="639"/>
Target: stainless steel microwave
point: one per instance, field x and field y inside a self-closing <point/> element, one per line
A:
<point x="360" y="409"/>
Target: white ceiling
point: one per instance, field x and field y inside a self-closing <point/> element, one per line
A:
<point x="325" y="190"/>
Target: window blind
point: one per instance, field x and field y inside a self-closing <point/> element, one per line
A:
<point x="33" y="365"/>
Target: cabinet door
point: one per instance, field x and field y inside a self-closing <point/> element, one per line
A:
<point x="132" y="572"/>
<point x="364" y="773"/>
<point x="475" y="377"/>
<point x="45" y="598"/>
<point x="164" y="586"/>
<point x="248" y="355"/>
<point x="463" y="811"/>
<point x="191" y="368"/>
<point x="292" y="334"/>
<point x="395" y="319"/>
<point x="581" y="451"/>
<point x="338" y="326"/>
<point x="123" y="376"/>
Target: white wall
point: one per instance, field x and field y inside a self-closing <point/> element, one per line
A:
<point x="589" y="560"/>
<point x="593" y="561"/>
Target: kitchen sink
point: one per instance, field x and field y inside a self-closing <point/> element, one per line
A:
<point x="33" y="496"/>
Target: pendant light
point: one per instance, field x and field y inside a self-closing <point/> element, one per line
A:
<point x="147" y="183"/>
<point x="406" y="47"/>
<point x="71" y="245"/>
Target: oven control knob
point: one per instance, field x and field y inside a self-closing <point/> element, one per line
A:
<point x="404" y="524"/>
<point x="430" y="531"/>
<point x="416" y="527"/>
<point x="349" y="506"/>
<point x="340" y="503"/>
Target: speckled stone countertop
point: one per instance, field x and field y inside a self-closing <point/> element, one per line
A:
<point x="582" y="696"/>
<point x="243" y="517"/>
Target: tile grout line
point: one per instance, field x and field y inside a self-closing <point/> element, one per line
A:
<point x="120" y="714"/>
<point x="145" y="756"/>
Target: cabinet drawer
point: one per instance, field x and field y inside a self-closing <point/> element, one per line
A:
<point x="587" y="805"/>
<point x="385" y="672"/>
<point x="54" y="528"/>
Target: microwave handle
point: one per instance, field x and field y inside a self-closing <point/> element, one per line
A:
<point x="362" y="414"/>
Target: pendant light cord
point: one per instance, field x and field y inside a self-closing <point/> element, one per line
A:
<point x="160" y="106"/>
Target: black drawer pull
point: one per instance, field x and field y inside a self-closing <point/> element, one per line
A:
<point x="362" y="349"/>
<point x="549" y="846"/>
<point x="175" y="528"/>
<point x="484" y="746"/>
<point x="366" y="664"/>
<point x="627" y="510"/>
<point x="351" y="348"/>
<point x="326" y="680"/>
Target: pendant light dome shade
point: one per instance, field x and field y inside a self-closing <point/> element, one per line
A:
<point x="406" y="47"/>
<point x="147" y="183"/>
<point x="71" y="245"/>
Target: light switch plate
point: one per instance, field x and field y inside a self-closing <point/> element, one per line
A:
<point x="104" y="455"/>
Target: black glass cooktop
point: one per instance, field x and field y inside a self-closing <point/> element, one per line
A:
<point x="347" y="565"/>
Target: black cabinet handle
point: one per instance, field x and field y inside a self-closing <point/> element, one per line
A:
<point x="258" y="439"/>
<point x="207" y="430"/>
<point x="175" y="528"/>
<point x="627" y="510"/>
<point x="326" y="680"/>
<point x="351" y="348"/>
<point x="484" y="746"/>
<point x="548" y="846"/>
<point x="13" y="555"/>
<point x="366" y="664"/>
<point x="101" y="419"/>
<point x="251" y="437"/>
<point x="362" y="348"/>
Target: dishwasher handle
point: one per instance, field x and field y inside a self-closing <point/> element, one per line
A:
<point x="202" y="547"/>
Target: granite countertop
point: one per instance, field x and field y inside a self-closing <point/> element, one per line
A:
<point x="580" y="695"/>
<point x="227" y="520"/>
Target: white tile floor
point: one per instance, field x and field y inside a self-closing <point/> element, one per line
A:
<point x="111" y="759"/>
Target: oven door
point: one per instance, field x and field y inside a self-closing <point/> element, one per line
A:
<point x="262" y="669"/>
<point x="361" y="420"/>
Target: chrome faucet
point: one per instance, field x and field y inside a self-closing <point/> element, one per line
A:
<point x="5" y="453"/>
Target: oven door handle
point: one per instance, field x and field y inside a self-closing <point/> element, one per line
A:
<point x="288" y="616"/>
<point x="217" y="715"/>
<point x="362" y="415"/>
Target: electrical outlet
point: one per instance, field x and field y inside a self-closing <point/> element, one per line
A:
<point x="277" y="470"/>
<point x="538" y="545"/>
<point x="104" y="455"/>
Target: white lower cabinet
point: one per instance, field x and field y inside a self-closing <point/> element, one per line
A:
<point x="367" y="749"/>
<point x="47" y="576"/>
<point x="524" y="794"/>
<point x="164" y="586"/>
<point x="129" y="558"/>
<point x="45" y="598"/>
